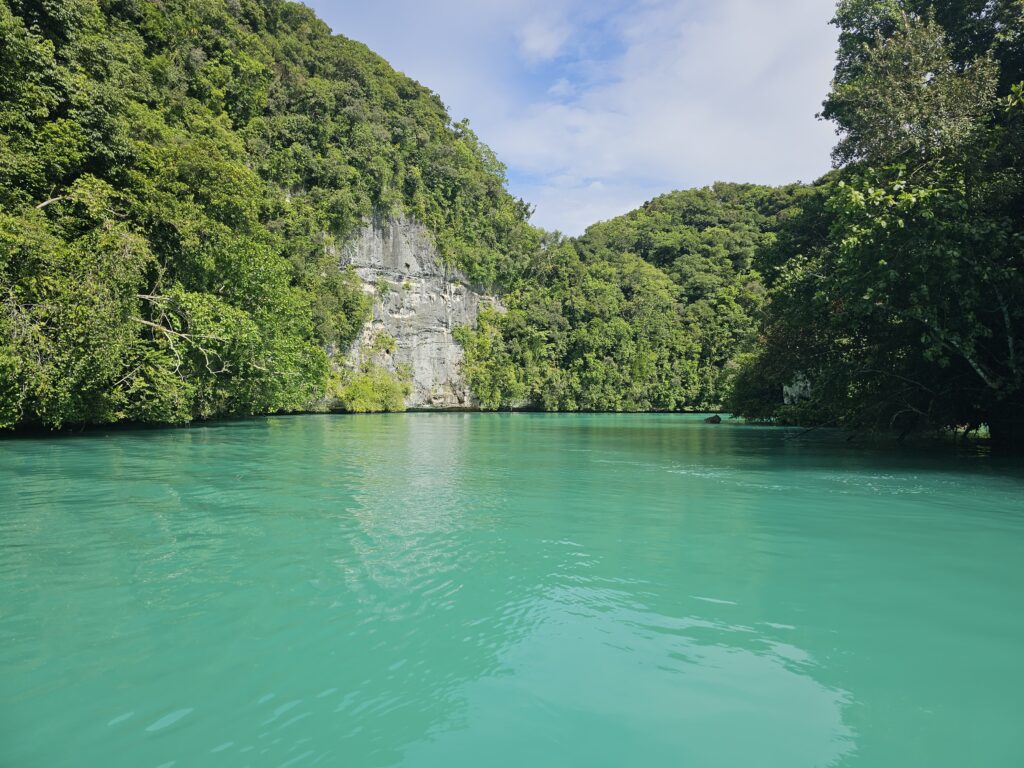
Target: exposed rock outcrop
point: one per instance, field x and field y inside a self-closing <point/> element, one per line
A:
<point x="418" y="301"/>
<point x="797" y="390"/>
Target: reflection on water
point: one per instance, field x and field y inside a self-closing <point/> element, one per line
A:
<point x="458" y="590"/>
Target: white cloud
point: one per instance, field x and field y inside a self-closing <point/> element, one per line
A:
<point x="597" y="106"/>
<point x="542" y="37"/>
<point x="561" y="88"/>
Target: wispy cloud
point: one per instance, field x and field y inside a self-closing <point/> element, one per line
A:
<point x="597" y="106"/>
<point x="542" y="38"/>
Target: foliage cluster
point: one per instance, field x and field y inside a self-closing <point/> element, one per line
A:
<point x="371" y="386"/>
<point x="653" y="310"/>
<point x="710" y="242"/>
<point x="900" y="297"/>
<point x="174" y="179"/>
<point x="577" y="334"/>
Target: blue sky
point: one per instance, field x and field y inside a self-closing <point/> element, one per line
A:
<point x="599" y="105"/>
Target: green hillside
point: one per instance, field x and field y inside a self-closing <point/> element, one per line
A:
<point x="174" y="178"/>
<point x="650" y="310"/>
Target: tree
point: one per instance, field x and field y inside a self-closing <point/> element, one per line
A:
<point x="907" y="312"/>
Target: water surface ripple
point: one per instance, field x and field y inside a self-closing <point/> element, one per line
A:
<point x="506" y="590"/>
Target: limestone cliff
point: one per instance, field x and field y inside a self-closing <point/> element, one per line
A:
<point x="418" y="301"/>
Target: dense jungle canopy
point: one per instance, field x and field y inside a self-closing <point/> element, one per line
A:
<point x="176" y="178"/>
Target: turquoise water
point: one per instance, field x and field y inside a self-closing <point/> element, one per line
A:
<point x="506" y="590"/>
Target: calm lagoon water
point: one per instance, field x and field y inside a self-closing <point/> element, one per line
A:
<point x="506" y="590"/>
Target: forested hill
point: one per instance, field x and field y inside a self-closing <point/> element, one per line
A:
<point x="714" y="243"/>
<point x="655" y="309"/>
<point x="889" y="295"/>
<point x="174" y="179"/>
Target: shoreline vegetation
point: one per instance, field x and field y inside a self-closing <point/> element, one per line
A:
<point x="176" y="180"/>
<point x="959" y="439"/>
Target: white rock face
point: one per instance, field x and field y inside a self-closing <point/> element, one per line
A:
<point x="423" y="301"/>
<point x="797" y="390"/>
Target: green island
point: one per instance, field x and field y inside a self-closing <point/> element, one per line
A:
<point x="176" y="177"/>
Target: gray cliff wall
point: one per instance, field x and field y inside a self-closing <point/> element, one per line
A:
<point x="423" y="302"/>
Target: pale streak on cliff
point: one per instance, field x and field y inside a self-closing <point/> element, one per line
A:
<point x="423" y="302"/>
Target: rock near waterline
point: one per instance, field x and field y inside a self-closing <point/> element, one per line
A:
<point x="418" y="301"/>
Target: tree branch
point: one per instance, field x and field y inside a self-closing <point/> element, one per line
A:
<point x="51" y="200"/>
